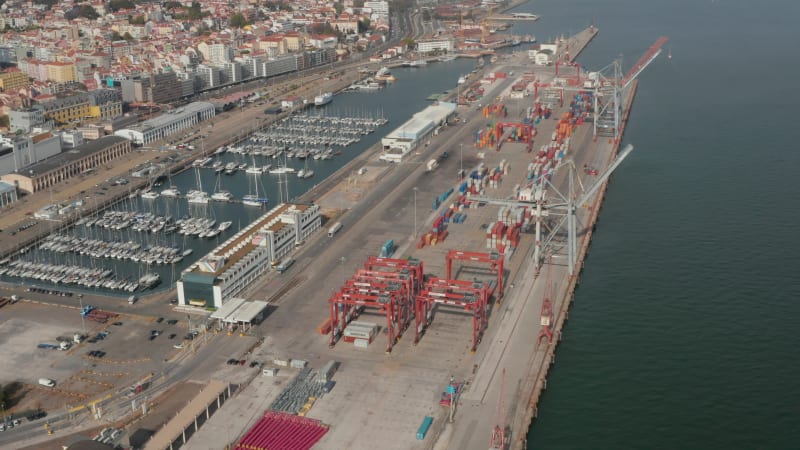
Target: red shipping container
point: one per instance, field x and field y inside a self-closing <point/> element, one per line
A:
<point x="442" y="236"/>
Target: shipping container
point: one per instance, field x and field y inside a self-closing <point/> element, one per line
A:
<point x="328" y="386"/>
<point x="361" y="343"/>
<point x="422" y="431"/>
<point x="298" y="364"/>
<point x="326" y="374"/>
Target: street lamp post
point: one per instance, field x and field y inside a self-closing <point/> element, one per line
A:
<point x="461" y="157"/>
<point x="415" y="212"/>
<point x="80" y="303"/>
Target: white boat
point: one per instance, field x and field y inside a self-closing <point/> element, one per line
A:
<point x="254" y="170"/>
<point x="211" y="233"/>
<point x="462" y="80"/>
<point x="254" y="200"/>
<point x="150" y="195"/>
<point x="222" y="196"/>
<point x="187" y="252"/>
<point x="305" y="173"/>
<point x="224" y="225"/>
<point x="231" y="168"/>
<point x="281" y="170"/>
<point x="323" y="99"/>
<point x="171" y="192"/>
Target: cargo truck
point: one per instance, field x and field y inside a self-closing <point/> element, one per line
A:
<point x="432" y="165"/>
<point x="334" y="228"/>
<point x="284" y="265"/>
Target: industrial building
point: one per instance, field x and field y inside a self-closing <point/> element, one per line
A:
<point x="237" y="262"/>
<point x="238" y="312"/>
<point x="409" y="135"/>
<point x="432" y="45"/>
<point x="8" y="194"/>
<point x="59" y="168"/>
<point x="168" y="123"/>
<point x="20" y="151"/>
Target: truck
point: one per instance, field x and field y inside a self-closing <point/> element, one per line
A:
<point x="432" y="165"/>
<point x="284" y="265"/>
<point x="387" y="249"/>
<point x="334" y="228"/>
<point x="64" y="345"/>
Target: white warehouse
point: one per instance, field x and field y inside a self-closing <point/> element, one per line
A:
<point x="411" y="134"/>
<point x="237" y="262"/>
<point x="168" y="123"/>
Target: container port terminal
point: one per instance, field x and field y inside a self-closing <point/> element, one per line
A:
<point x="440" y="295"/>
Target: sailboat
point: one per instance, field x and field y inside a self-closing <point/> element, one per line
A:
<point x="219" y="194"/>
<point x="254" y="169"/>
<point x="305" y="172"/>
<point x="669" y="53"/>
<point x="197" y="196"/>
<point x="253" y="199"/>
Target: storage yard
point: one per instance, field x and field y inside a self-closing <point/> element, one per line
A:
<point x="423" y="318"/>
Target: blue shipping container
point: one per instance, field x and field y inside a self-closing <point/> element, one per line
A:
<point x="424" y="427"/>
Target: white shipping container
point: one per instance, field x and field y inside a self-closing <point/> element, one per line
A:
<point x="270" y="372"/>
<point x="280" y="362"/>
<point x="361" y="343"/>
<point x="298" y="364"/>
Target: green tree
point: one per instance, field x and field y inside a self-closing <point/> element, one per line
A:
<point x="4" y="122"/>
<point x="127" y="36"/>
<point x="115" y="36"/>
<point x="137" y="20"/>
<point x="363" y="25"/>
<point x="88" y="12"/>
<point x="238" y="21"/>
<point x="170" y="5"/>
<point x="116" y="5"/>
<point x="195" y="11"/>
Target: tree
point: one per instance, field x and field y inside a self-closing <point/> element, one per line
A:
<point x="116" y="5"/>
<point x="195" y="12"/>
<point x="115" y="36"/>
<point x="137" y="20"/>
<point x="5" y="121"/>
<point x="238" y="21"/>
<point x="88" y="12"/>
<point x="363" y="25"/>
<point x="127" y="36"/>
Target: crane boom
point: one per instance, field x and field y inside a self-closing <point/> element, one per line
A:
<point x="643" y="62"/>
<point x="607" y="173"/>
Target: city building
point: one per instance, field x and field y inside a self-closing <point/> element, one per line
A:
<point x="168" y="123"/>
<point x="432" y="45"/>
<point x="18" y="152"/>
<point x="156" y="88"/>
<point x="411" y="134"/>
<point x="57" y="169"/>
<point x="236" y="263"/>
<point x="380" y="9"/>
<point x="25" y="120"/>
<point x="8" y="194"/>
<point x="13" y="79"/>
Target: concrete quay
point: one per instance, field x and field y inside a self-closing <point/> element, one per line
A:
<point x="380" y="399"/>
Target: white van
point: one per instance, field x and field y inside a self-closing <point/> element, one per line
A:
<point x="131" y="299"/>
<point x="334" y="228"/>
<point x="47" y="382"/>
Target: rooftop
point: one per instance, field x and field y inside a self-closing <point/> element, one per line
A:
<point x="168" y="117"/>
<point x="69" y="156"/>
<point x="241" y="243"/>
<point x="6" y="187"/>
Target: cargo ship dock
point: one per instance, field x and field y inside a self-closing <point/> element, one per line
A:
<point x="438" y="382"/>
<point x="391" y="378"/>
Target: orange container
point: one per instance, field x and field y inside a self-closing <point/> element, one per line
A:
<point x="325" y="327"/>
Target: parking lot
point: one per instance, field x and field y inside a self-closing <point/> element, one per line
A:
<point x="109" y="357"/>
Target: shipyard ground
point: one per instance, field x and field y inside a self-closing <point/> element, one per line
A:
<point x="380" y="399"/>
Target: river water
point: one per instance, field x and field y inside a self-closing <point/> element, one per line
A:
<point x="683" y="331"/>
<point x="396" y="103"/>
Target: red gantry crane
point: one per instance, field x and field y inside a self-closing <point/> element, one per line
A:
<point x="467" y="295"/>
<point x="494" y="259"/>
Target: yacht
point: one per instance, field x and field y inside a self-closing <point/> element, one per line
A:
<point x="172" y="191"/>
<point x="224" y="226"/>
<point x="231" y="168"/>
<point x="150" y="195"/>
<point x="305" y="173"/>
<point x="281" y="170"/>
<point x="255" y="170"/>
<point x="222" y="196"/>
<point x="187" y="252"/>
<point x="323" y="99"/>
<point x="462" y="80"/>
<point x="254" y="200"/>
